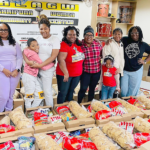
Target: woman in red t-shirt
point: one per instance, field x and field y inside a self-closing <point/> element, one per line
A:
<point x="69" y="67"/>
<point x="109" y="82"/>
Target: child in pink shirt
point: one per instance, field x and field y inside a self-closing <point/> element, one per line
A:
<point x="33" y="91"/>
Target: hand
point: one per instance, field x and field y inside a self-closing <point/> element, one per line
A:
<point x="141" y="61"/>
<point x="117" y="71"/>
<point x="14" y="73"/>
<point x="118" y="89"/>
<point x="66" y="77"/>
<point x="6" y="72"/>
<point x="108" y="41"/>
<point x="35" y="65"/>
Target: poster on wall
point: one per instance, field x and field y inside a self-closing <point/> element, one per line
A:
<point x="23" y="18"/>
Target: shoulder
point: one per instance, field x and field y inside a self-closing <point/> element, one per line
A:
<point x="17" y="44"/>
<point x="39" y="37"/>
<point x="97" y="42"/>
<point x="64" y="44"/>
<point x="54" y="38"/>
<point x="124" y="39"/>
<point x="145" y="44"/>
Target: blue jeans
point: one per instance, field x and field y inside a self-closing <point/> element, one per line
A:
<point x="107" y="92"/>
<point x="130" y="82"/>
<point x="91" y="80"/>
<point x="66" y="89"/>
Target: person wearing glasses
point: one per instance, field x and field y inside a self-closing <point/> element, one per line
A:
<point x="134" y="47"/>
<point x="92" y="50"/>
<point x="10" y="66"/>
<point x="69" y="67"/>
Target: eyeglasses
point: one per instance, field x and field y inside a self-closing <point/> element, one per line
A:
<point x="4" y="30"/>
<point x="134" y="33"/>
<point x="87" y="35"/>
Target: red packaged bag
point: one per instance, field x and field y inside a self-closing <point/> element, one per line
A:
<point x="136" y="103"/>
<point x="102" y="114"/>
<point x="65" y="113"/>
<point x="89" y="108"/>
<point x="40" y="119"/>
<point x="141" y="138"/>
<point x="117" y="106"/>
<point x="7" y="146"/>
<point x="6" y="128"/>
<point x="73" y="143"/>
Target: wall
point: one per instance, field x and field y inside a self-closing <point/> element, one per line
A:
<point x="84" y="13"/>
<point x="142" y="18"/>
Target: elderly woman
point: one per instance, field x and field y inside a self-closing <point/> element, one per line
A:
<point x="92" y="50"/>
<point x="10" y="66"/>
<point x="70" y="61"/>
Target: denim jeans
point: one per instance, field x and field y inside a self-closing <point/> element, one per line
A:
<point x="107" y="92"/>
<point x="66" y="89"/>
<point x="91" y="80"/>
<point x="130" y="82"/>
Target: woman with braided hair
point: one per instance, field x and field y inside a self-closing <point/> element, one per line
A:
<point x="48" y="51"/>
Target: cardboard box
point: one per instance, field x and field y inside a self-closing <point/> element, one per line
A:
<point x="17" y="133"/>
<point x="3" y="114"/>
<point x="75" y="123"/>
<point x="145" y="86"/>
<point x="18" y="102"/>
<point x="54" y="81"/>
<point x="55" y="100"/>
<point x="14" y="138"/>
<point x="47" y="127"/>
<point x="145" y="146"/>
<point x="146" y="113"/>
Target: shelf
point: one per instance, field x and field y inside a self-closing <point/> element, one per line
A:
<point x="106" y="17"/>
<point x="100" y="37"/>
<point x="130" y="1"/>
<point x="125" y="23"/>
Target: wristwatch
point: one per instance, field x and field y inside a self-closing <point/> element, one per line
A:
<point x="18" y="70"/>
<point x="144" y="61"/>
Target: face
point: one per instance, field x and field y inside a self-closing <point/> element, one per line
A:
<point x="135" y="34"/>
<point x="34" y="46"/>
<point x="109" y="63"/>
<point x="4" y="31"/>
<point x="117" y="36"/>
<point x="88" y="38"/>
<point x="71" y="36"/>
<point x="45" y="31"/>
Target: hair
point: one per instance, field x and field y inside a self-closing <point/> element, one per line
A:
<point x="44" y="20"/>
<point x="10" y="37"/>
<point x="65" y="32"/>
<point x="139" y="30"/>
<point x="117" y="29"/>
<point x="109" y="57"/>
<point x="29" y="41"/>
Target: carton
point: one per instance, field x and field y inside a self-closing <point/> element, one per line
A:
<point x="55" y="99"/>
<point x="47" y="127"/>
<point x="104" y="121"/>
<point x="145" y="146"/>
<point x="14" y="138"/>
<point x="18" y="102"/>
<point x="75" y="123"/>
<point x="17" y="133"/>
<point x="54" y="81"/>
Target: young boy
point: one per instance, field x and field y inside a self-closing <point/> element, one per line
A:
<point x="33" y="91"/>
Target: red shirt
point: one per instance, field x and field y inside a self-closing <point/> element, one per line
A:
<point x="92" y="62"/>
<point x="108" y="76"/>
<point x="74" y="60"/>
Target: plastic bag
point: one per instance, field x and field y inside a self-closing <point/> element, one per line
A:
<point x="78" y="111"/>
<point x="116" y="112"/>
<point x="40" y="119"/>
<point x="117" y="106"/>
<point x="19" y="119"/>
<point x="65" y="113"/>
<point x="127" y="126"/>
<point x="75" y="133"/>
<point x="5" y="120"/>
<point x="103" y="114"/>
<point x="73" y="143"/>
<point x="54" y="119"/>
<point x="136" y="103"/>
<point x="6" y="128"/>
<point x="7" y="146"/>
<point x="141" y="138"/>
<point x="26" y="143"/>
<point x="44" y="111"/>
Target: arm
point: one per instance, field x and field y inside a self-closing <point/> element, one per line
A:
<point x="62" y="64"/>
<point x="30" y="63"/>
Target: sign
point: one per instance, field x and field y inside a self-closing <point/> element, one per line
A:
<point x="23" y="18"/>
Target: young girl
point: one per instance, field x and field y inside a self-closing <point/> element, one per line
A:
<point x="33" y="90"/>
<point x="108" y="79"/>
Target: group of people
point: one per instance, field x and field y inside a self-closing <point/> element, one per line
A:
<point x="83" y="61"/>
